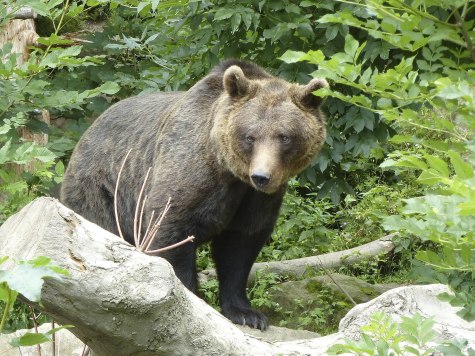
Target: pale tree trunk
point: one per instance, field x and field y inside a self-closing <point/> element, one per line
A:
<point x="21" y="33"/>
<point x="121" y="301"/>
<point x="298" y="267"/>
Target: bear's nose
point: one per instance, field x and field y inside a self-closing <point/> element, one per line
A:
<point x="260" y="179"/>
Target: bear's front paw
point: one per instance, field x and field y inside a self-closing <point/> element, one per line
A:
<point x="246" y="316"/>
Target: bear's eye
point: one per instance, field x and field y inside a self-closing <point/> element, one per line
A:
<point x="250" y="139"/>
<point x="284" y="139"/>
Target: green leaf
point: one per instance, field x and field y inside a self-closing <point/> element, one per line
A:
<point x="59" y="168"/>
<point x="27" y="277"/>
<point x="151" y="38"/>
<point x="36" y="87"/>
<point x="384" y="103"/>
<point x="224" y="13"/>
<point x="292" y="56"/>
<point x="438" y="164"/>
<point x="4" y="152"/>
<point x="58" y="328"/>
<point x="429" y="257"/>
<point x="411" y="162"/>
<point x="351" y="46"/>
<point x="462" y="169"/>
<point x="27" y="152"/>
<point x="30" y="339"/>
<point x="466" y="254"/>
<point x="467" y="208"/>
<point x="54" y="40"/>
<point x="108" y="88"/>
<point x="235" y="21"/>
<point x="431" y="177"/>
<point x="315" y="57"/>
<point x="7" y="295"/>
<point x="143" y="6"/>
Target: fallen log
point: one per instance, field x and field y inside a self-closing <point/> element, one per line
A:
<point x="121" y="301"/>
<point x="298" y="267"/>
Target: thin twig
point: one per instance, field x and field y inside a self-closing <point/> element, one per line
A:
<point x="53" y="339"/>
<point x="461" y="25"/>
<point x="148" y="239"/>
<point x="139" y="238"/>
<point x="153" y="227"/>
<point x="115" y="196"/>
<point x="85" y="350"/>
<point x="188" y="239"/>
<point x="137" y="210"/>
<point x="336" y="283"/>
<point x="35" y="324"/>
<point x="149" y="223"/>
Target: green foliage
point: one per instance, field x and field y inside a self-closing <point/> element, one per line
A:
<point x="446" y="218"/>
<point x="25" y="278"/>
<point x="27" y="89"/>
<point x="264" y="284"/>
<point x="427" y="85"/>
<point x="431" y="50"/>
<point x="302" y="229"/>
<point x="21" y="317"/>
<point x="320" y="314"/>
<point x="412" y="336"/>
<point x="361" y="216"/>
<point x="209" y="291"/>
<point x="30" y="339"/>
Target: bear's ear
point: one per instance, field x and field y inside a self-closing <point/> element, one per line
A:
<point x="235" y="82"/>
<point x="305" y="93"/>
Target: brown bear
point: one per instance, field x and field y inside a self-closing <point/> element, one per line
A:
<point x="223" y="151"/>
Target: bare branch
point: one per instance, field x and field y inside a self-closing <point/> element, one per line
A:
<point x="137" y="210"/>
<point x="171" y="247"/>
<point x="152" y="228"/>
<point x="116" y="213"/>
<point x="149" y="223"/>
<point x="153" y="232"/>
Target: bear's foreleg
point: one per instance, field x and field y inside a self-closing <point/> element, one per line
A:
<point x="234" y="255"/>
<point x="183" y="260"/>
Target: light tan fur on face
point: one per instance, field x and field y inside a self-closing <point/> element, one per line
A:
<point x="272" y="105"/>
<point x="265" y="161"/>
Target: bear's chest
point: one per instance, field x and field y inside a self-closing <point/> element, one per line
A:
<point x="235" y="207"/>
<point x="216" y="210"/>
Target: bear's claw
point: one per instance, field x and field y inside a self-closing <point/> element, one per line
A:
<point x="246" y="316"/>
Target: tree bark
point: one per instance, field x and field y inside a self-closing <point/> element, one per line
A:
<point x="121" y="301"/>
<point x="21" y="33"/>
<point x="298" y="267"/>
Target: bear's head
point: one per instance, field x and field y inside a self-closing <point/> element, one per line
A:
<point x="266" y="129"/>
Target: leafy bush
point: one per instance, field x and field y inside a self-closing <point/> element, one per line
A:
<point x="26" y="278"/>
<point x="28" y="89"/>
<point x="320" y="314"/>
<point x="428" y="85"/>
<point x="172" y="47"/>
<point x="303" y="226"/>
<point x="411" y="336"/>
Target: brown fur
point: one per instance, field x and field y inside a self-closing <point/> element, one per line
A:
<point x="198" y="144"/>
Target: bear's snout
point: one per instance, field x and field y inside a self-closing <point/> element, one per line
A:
<point x="265" y="168"/>
<point x="260" y="179"/>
